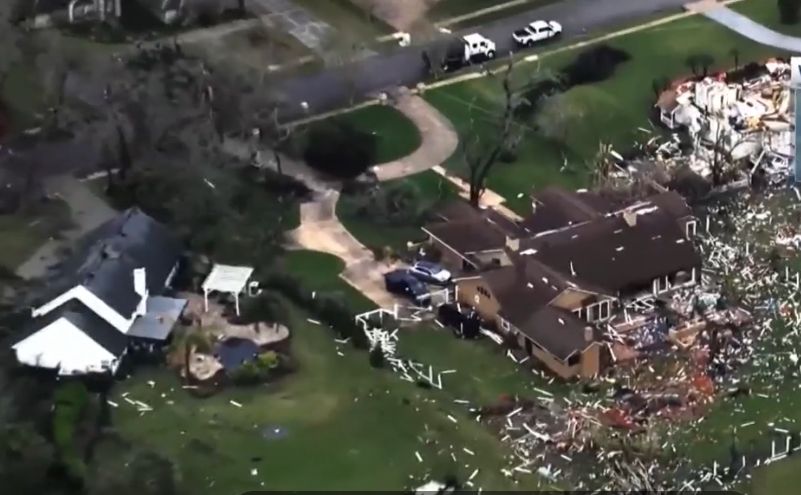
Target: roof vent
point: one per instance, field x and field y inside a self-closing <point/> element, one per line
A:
<point x="110" y="252"/>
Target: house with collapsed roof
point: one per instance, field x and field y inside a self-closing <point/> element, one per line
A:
<point x="105" y="299"/>
<point x="550" y="280"/>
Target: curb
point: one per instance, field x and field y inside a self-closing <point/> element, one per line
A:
<point x="528" y="59"/>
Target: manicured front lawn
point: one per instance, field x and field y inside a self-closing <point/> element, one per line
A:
<point x="396" y="136"/>
<point x="610" y="111"/>
<point x="334" y="424"/>
<point x="374" y="231"/>
<point x="320" y="272"/>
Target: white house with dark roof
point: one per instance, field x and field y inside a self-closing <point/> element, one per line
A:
<point x="105" y="298"/>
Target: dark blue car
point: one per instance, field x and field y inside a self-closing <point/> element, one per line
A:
<point x="403" y="283"/>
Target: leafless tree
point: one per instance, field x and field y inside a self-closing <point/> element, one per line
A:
<point x="481" y="151"/>
<point x="721" y="143"/>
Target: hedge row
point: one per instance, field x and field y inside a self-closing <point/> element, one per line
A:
<point x="328" y="310"/>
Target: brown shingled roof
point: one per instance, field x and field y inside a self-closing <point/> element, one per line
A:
<point x="557" y="207"/>
<point x="468" y="230"/>
<point x="611" y="254"/>
<point x="557" y="331"/>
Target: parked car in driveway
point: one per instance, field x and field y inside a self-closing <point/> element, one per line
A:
<point x="432" y="273"/>
<point x="536" y="32"/>
<point x="403" y="283"/>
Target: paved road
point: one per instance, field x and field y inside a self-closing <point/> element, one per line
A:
<point x="337" y="87"/>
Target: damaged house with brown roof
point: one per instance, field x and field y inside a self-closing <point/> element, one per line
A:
<point x="552" y="281"/>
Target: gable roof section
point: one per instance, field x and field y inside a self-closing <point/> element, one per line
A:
<point x="82" y="317"/>
<point x="522" y="288"/>
<point x="671" y="203"/>
<point x="556" y="330"/>
<point x="611" y="254"/>
<point x="105" y="259"/>
<point x="557" y="207"/>
<point x="468" y="230"/>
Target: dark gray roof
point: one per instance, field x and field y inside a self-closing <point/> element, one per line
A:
<point x="105" y="259"/>
<point x="158" y="322"/>
<point x="85" y="319"/>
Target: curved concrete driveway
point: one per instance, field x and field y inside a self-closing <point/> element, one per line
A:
<point x="745" y="26"/>
<point x="321" y="230"/>
<point x="438" y="140"/>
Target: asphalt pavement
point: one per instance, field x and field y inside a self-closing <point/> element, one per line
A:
<point x="338" y="87"/>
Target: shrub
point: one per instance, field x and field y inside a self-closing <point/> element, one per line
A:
<point x="594" y="65"/>
<point x="257" y="371"/>
<point x="339" y="149"/>
<point x="789" y="11"/>
<point x="377" y="357"/>
<point x="330" y="311"/>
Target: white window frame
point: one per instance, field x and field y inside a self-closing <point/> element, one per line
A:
<point x="602" y="310"/>
<point x="692" y="225"/>
<point x="606" y="304"/>
<point x="660" y="288"/>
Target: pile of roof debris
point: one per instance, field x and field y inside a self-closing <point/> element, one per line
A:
<point x="639" y="425"/>
<point x="733" y="125"/>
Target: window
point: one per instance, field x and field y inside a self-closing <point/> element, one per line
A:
<point x="505" y="325"/>
<point x="690" y="228"/>
<point x="604" y="310"/>
<point x="661" y="284"/>
<point x="592" y="312"/>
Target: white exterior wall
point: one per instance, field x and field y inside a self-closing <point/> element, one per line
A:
<point x="64" y="346"/>
<point x="94" y="303"/>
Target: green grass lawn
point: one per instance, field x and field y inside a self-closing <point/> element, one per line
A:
<point x="396" y="136"/>
<point x="609" y="111"/>
<point x="320" y="272"/>
<point x="345" y="426"/>
<point x="374" y="232"/>
<point x="23" y="233"/>
<point x="498" y="374"/>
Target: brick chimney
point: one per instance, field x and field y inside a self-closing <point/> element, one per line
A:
<point x="512" y="244"/>
<point x="630" y="217"/>
<point x="140" y="281"/>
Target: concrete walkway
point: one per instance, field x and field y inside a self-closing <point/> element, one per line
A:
<point x="745" y="26"/>
<point x="321" y="230"/>
<point x="88" y="212"/>
<point x="438" y="139"/>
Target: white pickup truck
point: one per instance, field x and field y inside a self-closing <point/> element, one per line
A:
<point x="537" y="31"/>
